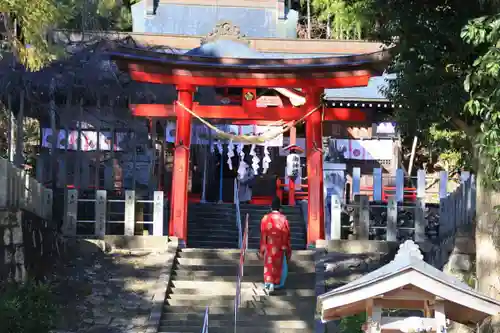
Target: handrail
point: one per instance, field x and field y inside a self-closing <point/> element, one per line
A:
<point x="238" y="213"/>
<point x="205" y="322"/>
<point x="299" y="194"/>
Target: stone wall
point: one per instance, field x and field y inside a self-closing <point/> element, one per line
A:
<point x="29" y="246"/>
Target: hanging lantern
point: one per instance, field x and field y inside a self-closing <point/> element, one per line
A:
<point x="293" y="167"/>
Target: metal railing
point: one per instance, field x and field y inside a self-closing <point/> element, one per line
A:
<point x="238" y="212"/>
<point x="204" y="329"/>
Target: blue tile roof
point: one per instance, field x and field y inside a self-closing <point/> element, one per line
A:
<point x="231" y="49"/>
<point x="371" y="92"/>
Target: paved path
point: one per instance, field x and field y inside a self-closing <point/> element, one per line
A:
<point x="108" y="293"/>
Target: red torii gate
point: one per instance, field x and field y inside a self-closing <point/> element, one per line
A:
<point x="311" y="75"/>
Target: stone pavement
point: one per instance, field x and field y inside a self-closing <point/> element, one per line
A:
<point x="110" y="292"/>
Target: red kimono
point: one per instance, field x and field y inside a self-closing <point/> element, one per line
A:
<point x="274" y="243"/>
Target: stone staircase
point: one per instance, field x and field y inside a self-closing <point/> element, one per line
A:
<point x="204" y="277"/>
<point x="214" y="225"/>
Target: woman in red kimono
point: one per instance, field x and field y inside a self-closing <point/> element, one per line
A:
<point x="275" y="247"/>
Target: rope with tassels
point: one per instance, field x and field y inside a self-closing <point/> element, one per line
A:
<point x="252" y="139"/>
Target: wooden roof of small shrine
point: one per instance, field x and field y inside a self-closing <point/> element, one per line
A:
<point x="409" y="273"/>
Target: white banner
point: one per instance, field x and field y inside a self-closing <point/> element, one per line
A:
<point x="365" y="149"/>
<point x="88" y="140"/>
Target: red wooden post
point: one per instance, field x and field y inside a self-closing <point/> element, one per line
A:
<point x="291" y="181"/>
<point x="314" y="144"/>
<point x="279" y="190"/>
<point x="178" y="207"/>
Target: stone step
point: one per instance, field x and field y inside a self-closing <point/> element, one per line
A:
<point x="304" y="280"/>
<point x="215" y="221"/>
<point x="230" y="270"/>
<point x="204" y="244"/>
<point x="292" y="303"/>
<point x="254" y="220"/>
<point x="259" y="324"/>
<point x="252" y="213"/>
<point x="230" y="292"/>
<point x="230" y="329"/>
<point x="242" y="312"/>
<point x="243" y="207"/>
<point x="233" y="253"/>
<point x="229" y="315"/>
<point x="249" y="261"/>
<point x="297" y="238"/>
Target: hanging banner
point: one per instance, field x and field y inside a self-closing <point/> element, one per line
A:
<point x="88" y="140"/>
<point x="366" y="150"/>
<point x="378" y="149"/>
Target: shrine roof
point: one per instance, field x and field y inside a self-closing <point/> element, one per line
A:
<point x="407" y="260"/>
<point x="224" y="48"/>
<point x="372" y="92"/>
<point x="229" y="55"/>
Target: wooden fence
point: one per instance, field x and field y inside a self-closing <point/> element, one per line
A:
<point x="98" y="211"/>
<point x="20" y="191"/>
<point x="455" y="208"/>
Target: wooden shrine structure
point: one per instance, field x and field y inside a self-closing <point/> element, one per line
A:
<point x="411" y="284"/>
<point x="307" y="77"/>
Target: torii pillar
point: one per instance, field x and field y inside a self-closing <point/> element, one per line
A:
<point x="179" y="197"/>
<point x="314" y="157"/>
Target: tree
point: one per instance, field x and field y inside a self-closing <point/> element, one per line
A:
<point x="101" y="15"/>
<point x="431" y="60"/>
<point x="348" y="19"/>
<point x="483" y="85"/>
<point x="26" y="23"/>
<point x="435" y="58"/>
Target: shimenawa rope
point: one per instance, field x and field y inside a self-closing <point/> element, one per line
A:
<point x="251" y="139"/>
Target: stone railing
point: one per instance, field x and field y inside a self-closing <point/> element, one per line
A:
<point x="29" y="238"/>
<point x="457" y="213"/>
<point x="100" y="213"/>
<point x="397" y="220"/>
<point x="20" y="191"/>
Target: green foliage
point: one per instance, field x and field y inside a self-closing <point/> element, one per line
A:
<point x="483" y="85"/>
<point x="349" y="19"/>
<point x="352" y="324"/>
<point x="431" y="61"/>
<point x="451" y="146"/>
<point x="112" y="15"/>
<point x="27" y="22"/>
<point x="26" y="308"/>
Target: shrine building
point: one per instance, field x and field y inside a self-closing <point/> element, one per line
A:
<point x="241" y="70"/>
<point x="430" y="298"/>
